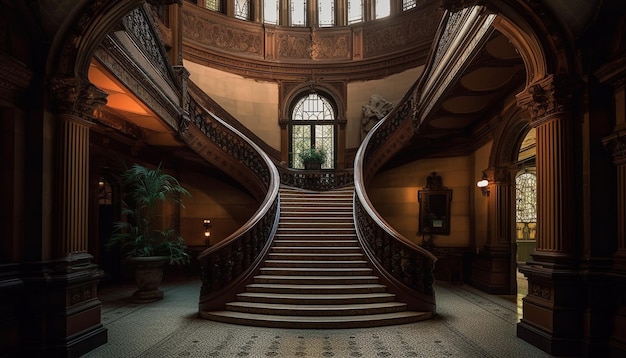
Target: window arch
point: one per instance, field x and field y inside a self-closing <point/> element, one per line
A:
<point x="312" y="124"/>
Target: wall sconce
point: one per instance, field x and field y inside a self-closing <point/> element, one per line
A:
<point x="483" y="184"/>
<point x="207" y="232"/>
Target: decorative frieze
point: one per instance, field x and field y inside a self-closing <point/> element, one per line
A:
<point x="399" y="35"/>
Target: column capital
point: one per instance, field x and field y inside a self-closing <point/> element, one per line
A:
<point x="499" y="175"/>
<point x="616" y="145"/>
<point x="551" y="95"/>
<point x="76" y="96"/>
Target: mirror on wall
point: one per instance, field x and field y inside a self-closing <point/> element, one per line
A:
<point x="434" y="207"/>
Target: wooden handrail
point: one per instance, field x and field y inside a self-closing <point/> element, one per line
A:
<point x="406" y="268"/>
<point x="233" y="261"/>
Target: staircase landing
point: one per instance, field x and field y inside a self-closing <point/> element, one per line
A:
<point x="316" y="274"/>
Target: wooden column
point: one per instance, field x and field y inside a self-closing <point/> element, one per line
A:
<point x="552" y="313"/>
<point x="62" y="315"/>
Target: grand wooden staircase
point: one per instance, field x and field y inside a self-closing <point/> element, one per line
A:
<point x="316" y="275"/>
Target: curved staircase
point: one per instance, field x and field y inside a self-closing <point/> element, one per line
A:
<point x="316" y="275"/>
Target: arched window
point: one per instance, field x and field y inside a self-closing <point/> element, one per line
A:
<point x="312" y="125"/>
<point x="526" y="205"/>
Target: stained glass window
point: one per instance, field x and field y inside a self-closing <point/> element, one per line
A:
<point x="526" y="205"/>
<point x="313" y="126"/>
<point x="242" y="9"/>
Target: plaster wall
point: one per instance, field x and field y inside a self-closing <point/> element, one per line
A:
<point x="394" y="195"/>
<point x="480" y="202"/>
<point x="228" y="207"/>
<point x="255" y="104"/>
<point x="391" y="88"/>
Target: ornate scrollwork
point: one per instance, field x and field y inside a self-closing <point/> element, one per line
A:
<point x="77" y="97"/>
<point x="553" y="94"/>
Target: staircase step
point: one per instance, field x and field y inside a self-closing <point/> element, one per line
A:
<point x="315" y="263"/>
<point x="315" y="231"/>
<point x="316" y="249"/>
<point x="316" y="310"/>
<point x="315" y="289"/>
<point x="315" y="243"/>
<point x="316" y="274"/>
<point x="313" y="236"/>
<point x="313" y="322"/>
<point x="309" y="256"/>
<point x="329" y="271"/>
<point x="315" y="299"/>
<point x="315" y="280"/>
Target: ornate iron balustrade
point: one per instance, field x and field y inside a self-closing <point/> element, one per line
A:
<point x="231" y="262"/>
<point x="319" y="180"/>
<point x="404" y="266"/>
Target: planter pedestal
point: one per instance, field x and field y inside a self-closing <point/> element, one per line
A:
<point x="148" y="276"/>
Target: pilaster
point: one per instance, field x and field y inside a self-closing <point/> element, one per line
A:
<point x="552" y="310"/>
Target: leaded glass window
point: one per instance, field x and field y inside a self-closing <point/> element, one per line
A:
<point x="212" y="5"/>
<point x="313" y="126"/>
<point x="383" y="8"/>
<point x="326" y="10"/>
<point x="298" y="13"/>
<point x="270" y="11"/>
<point x="242" y="9"/>
<point x="526" y="205"/>
<point x="408" y="4"/>
<point x="355" y="11"/>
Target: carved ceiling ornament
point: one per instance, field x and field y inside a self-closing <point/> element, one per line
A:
<point x="77" y="97"/>
<point x="553" y="94"/>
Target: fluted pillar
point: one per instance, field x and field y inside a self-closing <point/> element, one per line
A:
<point x="62" y="315"/>
<point x="552" y="313"/>
<point x="492" y="268"/>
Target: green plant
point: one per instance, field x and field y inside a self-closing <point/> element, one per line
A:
<point x="139" y="234"/>
<point x="312" y="155"/>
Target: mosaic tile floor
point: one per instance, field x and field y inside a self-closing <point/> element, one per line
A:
<point x="468" y="323"/>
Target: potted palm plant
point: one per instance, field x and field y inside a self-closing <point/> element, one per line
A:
<point x="312" y="158"/>
<point x="141" y="236"/>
